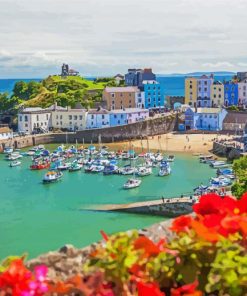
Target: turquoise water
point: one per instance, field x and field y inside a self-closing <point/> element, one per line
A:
<point x="36" y="218"/>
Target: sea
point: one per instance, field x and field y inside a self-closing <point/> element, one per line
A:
<point x="173" y="85"/>
<point x="37" y="218"/>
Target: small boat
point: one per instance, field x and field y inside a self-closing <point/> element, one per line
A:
<point x="165" y="169"/>
<point x="15" y="163"/>
<point x="88" y="168"/>
<point x="224" y="171"/>
<point x="127" y="170"/>
<point x="8" y="150"/>
<point x="158" y="157"/>
<point x="14" y="156"/>
<point x="132" y="183"/>
<point x="201" y="189"/>
<point x="64" y="166"/>
<point x="40" y="166"/>
<point x="170" y="158"/>
<point x="52" y="176"/>
<point x="203" y="158"/>
<point x="219" y="164"/>
<point x="110" y="169"/>
<point x="220" y="181"/>
<point x="144" y="171"/>
<point x="97" y="168"/>
<point x="75" y="167"/>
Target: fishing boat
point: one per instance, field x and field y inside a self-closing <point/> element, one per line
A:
<point x="15" y="163"/>
<point x="224" y="171"/>
<point x="201" y="189"/>
<point x="144" y="171"/>
<point x="170" y="158"/>
<point x="8" y="150"/>
<point x="88" y="168"/>
<point x="127" y="170"/>
<point x="204" y="158"/>
<point x="52" y="176"/>
<point x="97" y="168"/>
<point x="165" y="169"/>
<point x="158" y="157"/>
<point x="132" y="183"/>
<point x="75" y="166"/>
<point x="40" y="165"/>
<point x="110" y="169"/>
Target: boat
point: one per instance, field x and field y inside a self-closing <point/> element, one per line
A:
<point x="127" y="170"/>
<point x="52" y="176"/>
<point x="158" y="157"/>
<point x="110" y="169"/>
<point x="40" y="166"/>
<point x="97" y="168"/>
<point x="144" y="171"/>
<point x="15" y="163"/>
<point x="8" y="150"/>
<point x="132" y="183"/>
<point x="64" y="166"/>
<point x="75" y="167"/>
<point x="204" y="158"/>
<point x="219" y="164"/>
<point x="201" y="189"/>
<point x="14" y="156"/>
<point x="224" y="171"/>
<point x="165" y="169"/>
<point x="220" y="181"/>
<point x="170" y="158"/>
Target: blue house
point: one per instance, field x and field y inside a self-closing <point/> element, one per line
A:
<point x="231" y="93"/>
<point x="118" y="117"/>
<point x="154" y="95"/>
<point x="205" y="118"/>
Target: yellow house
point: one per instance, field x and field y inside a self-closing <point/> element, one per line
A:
<point x="217" y="94"/>
<point x="191" y="91"/>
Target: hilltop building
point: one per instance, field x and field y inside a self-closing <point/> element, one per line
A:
<point x="241" y="76"/>
<point x="135" y="77"/>
<point x="66" y="71"/>
<point x="118" y="78"/>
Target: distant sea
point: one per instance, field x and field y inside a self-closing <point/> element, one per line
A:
<point x="174" y="85"/>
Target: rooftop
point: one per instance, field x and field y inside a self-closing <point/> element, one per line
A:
<point x="150" y="82"/>
<point x="98" y="111"/>
<point x="128" y="110"/>
<point x="5" y="129"/>
<point x="207" y="110"/>
<point x="236" y="117"/>
<point x="122" y="89"/>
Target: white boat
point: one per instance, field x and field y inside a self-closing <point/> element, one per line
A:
<point x="144" y="171"/>
<point x="170" y="158"/>
<point x="127" y="170"/>
<point x="165" y="169"/>
<point x="158" y="157"/>
<point x="97" y="168"/>
<point x="219" y="164"/>
<point x="15" y="163"/>
<point x="8" y="150"/>
<point x="64" y="166"/>
<point x="132" y="183"/>
<point x="52" y="176"/>
<point x="14" y="156"/>
<point x="204" y="158"/>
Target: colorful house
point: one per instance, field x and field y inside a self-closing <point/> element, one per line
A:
<point x="126" y="116"/>
<point x="242" y="93"/>
<point x="191" y="91"/>
<point x="154" y="95"/>
<point x="97" y="118"/>
<point x="217" y="94"/>
<point x="205" y="118"/>
<point x="204" y="90"/>
<point x="231" y="93"/>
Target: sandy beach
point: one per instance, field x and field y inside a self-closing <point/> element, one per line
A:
<point x="172" y="142"/>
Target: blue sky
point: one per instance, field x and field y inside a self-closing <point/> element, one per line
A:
<point x="104" y="37"/>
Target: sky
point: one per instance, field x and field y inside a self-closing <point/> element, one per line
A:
<point x="105" y="37"/>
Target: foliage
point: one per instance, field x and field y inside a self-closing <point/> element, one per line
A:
<point x="8" y="104"/>
<point x="233" y="108"/>
<point x="26" y="90"/>
<point x="240" y="170"/>
<point x="206" y="256"/>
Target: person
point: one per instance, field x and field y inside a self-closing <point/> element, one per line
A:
<point x="163" y="199"/>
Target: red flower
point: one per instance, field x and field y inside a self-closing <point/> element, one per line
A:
<point x="208" y="204"/>
<point x="149" y="247"/>
<point x="242" y="204"/>
<point x="181" y="224"/>
<point x="187" y="290"/>
<point x="148" y="289"/>
<point x="104" y="235"/>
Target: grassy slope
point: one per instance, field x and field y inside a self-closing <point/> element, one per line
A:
<point x="46" y="97"/>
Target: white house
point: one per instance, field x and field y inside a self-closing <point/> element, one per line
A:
<point x="34" y="119"/>
<point x="128" y="115"/>
<point x="5" y="133"/>
<point x="242" y="93"/>
<point x="97" y="118"/>
<point x="205" y="118"/>
<point x="68" y="118"/>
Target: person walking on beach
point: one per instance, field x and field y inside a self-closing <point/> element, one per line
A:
<point x="163" y="199"/>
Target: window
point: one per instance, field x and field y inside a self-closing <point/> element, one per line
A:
<point x="121" y="115"/>
<point x="75" y="117"/>
<point x="92" y="116"/>
<point x="205" y="89"/>
<point x="80" y="117"/>
<point x="103" y="116"/>
<point x="113" y="102"/>
<point x="70" y="123"/>
<point x="37" y="117"/>
<point x="47" y="116"/>
<point x="26" y="119"/>
<point x="92" y="123"/>
<point x="130" y="101"/>
<point x="205" y="82"/>
<point x="20" y="118"/>
<point x="57" y="117"/>
<point x="61" y="116"/>
<point x="26" y="125"/>
<point x="118" y="122"/>
<point x="214" y="96"/>
<point x="115" y="116"/>
<point x="200" y="89"/>
<point x="70" y="117"/>
<point x="113" y="95"/>
<point x="129" y="94"/>
<point x="121" y="94"/>
<point x="61" y="123"/>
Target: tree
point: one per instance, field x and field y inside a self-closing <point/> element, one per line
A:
<point x="240" y="170"/>
<point x="7" y="104"/>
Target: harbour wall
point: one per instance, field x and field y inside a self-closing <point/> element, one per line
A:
<point x="138" y="130"/>
<point x="227" y="151"/>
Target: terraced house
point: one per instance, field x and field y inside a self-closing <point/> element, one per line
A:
<point x="154" y="95"/>
<point x="217" y="94"/>
<point x="191" y="91"/>
<point x="231" y="93"/>
<point x="204" y="90"/>
<point x="115" y="98"/>
<point x="242" y="93"/>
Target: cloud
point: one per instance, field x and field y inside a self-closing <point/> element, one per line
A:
<point x="108" y="36"/>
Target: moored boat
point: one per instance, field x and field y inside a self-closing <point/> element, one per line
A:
<point x="144" y="171"/>
<point x="75" y="167"/>
<point x="40" y="165"/>
<point x="52" y="176"/>
<point x="165" y="169"/>
<point x="170" y="158"/>
<point x="15" y="163"/>
<point x="132" y="183"/>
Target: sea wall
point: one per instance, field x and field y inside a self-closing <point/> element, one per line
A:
<point x="227" y="151"/>
<point x="138" y="130"/>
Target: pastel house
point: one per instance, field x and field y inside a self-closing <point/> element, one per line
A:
<point x="126" y="116"/>
<point x="231" y="93"/>
<point x="97" y="118"/>
<point x="154" y="95"/>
